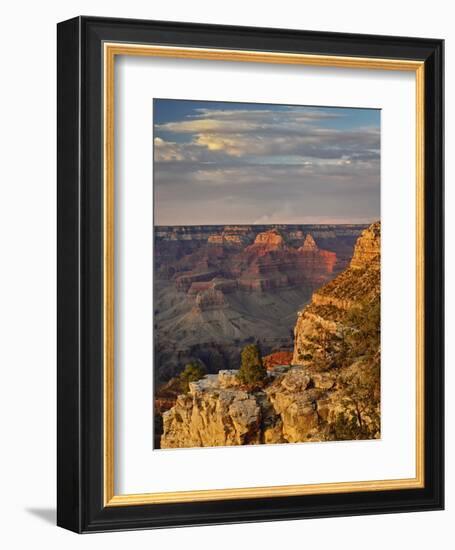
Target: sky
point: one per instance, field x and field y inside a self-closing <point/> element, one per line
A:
<point x="243" y="163"/>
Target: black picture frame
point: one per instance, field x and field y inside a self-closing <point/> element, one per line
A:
<point x="80" y="474"/>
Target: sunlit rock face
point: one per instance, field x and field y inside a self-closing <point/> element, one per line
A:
<point x="367" y="251"/>
<point x="217" y="411"/>
<point x="211" y="414"/>
<point x="272" y="238"/>
<point x="360" y="282"/>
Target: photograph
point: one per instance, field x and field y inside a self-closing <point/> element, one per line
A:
<point x="224" y="310"/>
<point x="267" y="273"/>
<point x="250" y="253"/>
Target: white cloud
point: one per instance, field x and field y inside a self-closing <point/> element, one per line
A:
<point x="242" y="133"/>
<point x="250" y="166"/>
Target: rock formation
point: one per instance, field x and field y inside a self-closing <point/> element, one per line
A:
<point x="211" y="414"/>
<point x="357" y="286"/>
<point x="266" y="242"/>
<point x="331" y="389"/>
<point x="309" y="244"/>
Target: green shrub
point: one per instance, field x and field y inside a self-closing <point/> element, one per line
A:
<point x="252" y="370"/>
<point x="192" y="372"/>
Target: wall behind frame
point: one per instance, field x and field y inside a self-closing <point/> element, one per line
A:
<point x="27" y="290"/>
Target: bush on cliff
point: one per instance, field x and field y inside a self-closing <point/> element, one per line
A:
<point x="358" y="381"/>
<point x="364" y="339"/>
<point x="192" y="372"/>
<point x="358" y="337"/>
<point x="252" y="371"/>
<point x="359" y="415"/>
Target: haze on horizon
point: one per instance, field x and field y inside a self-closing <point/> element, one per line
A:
<point x="220" y="163"/>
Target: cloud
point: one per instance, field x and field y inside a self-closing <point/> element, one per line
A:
<point x="246" y="165"/>
<point x="267" y="133"/>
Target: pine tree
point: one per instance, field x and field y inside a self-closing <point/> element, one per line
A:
<point x="193" y="371"/>
<point x="252" y="370"/>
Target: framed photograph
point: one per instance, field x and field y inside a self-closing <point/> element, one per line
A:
<point x="250" y="274"/>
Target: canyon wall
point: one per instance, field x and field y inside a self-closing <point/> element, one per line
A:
<point x="356" y="287"/>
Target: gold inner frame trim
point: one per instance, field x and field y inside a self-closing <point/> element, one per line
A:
<point x="110" y="50"/>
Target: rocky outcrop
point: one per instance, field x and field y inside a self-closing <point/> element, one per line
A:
<point x="217" y="411"/>
<point x="211" y="415"/>
<point x="298" y="404"/>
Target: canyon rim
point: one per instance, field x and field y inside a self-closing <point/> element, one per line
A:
<point x="266" y="274"/>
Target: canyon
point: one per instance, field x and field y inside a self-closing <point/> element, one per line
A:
<point x="217" y="288"/>
<point x="325" y="385"/>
